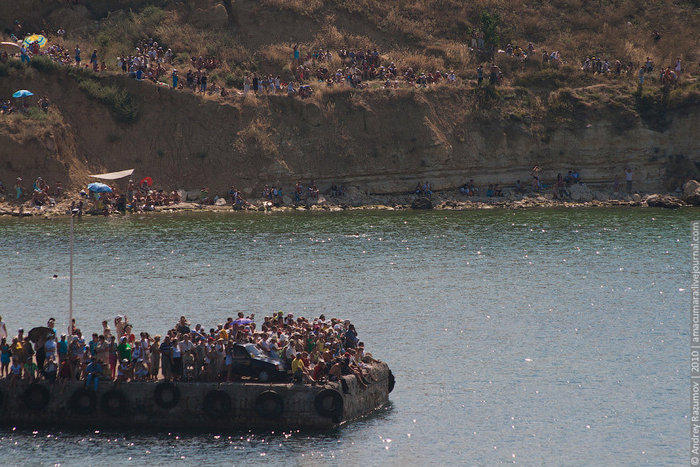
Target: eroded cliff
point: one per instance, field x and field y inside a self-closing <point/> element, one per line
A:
<point x="381" y="141"/>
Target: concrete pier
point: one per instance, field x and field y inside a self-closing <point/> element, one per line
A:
<point x="193" y="405"/>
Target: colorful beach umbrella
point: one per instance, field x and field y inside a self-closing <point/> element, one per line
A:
<point x="98" y="187"/>
<point x="148" y="180"/>
<point x="38" y="38"/>
<point x="22" y="93"/>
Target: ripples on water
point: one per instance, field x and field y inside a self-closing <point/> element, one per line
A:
<point x="527" y="337"/>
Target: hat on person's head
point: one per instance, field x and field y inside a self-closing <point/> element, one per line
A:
<point x="123" y="338"/>
<point x="20" y="330"/>
<point x="124" y="360"/>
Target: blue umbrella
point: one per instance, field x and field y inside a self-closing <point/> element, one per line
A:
<point x="98" y="187"/>
<point x="22" y="93"/>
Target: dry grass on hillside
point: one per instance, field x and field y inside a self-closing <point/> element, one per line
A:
<point x="423" y="34"/>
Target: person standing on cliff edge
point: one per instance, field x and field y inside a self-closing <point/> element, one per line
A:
<point x="628" y="179"/>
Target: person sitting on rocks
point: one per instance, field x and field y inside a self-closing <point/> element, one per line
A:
<point x="519" y="187"/>
<point x="576" y="178"/>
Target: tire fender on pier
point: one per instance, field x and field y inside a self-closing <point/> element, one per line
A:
<point x="36" y="397"/>
<point x="166" y="395"/>
<point x="269" y="404"/>
<point x="329" y="403"/>
<point x="82" y="402"/>
<point x="392" y="381"/>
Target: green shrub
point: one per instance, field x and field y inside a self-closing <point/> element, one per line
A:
<point x="16" y="64"/>
<point x="231" y="80"/>
<point x="35" y="113"/>
<point x="116" y="98"/>
<point x="152" y="14"/>
<point x="489" y="24"/>
<point x="44" y="64"/>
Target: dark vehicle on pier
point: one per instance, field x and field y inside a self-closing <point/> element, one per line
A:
<point x="248" y="360"/>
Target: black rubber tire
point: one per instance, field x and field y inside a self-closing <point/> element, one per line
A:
<point x="114" y="403"/>
<point x="217" y="405"/>
<point x="329" y="403"/>
<point x="166" y="395"/>
<point x="392" y="381"/>
<point x="82" y="402"/>
<point x="36" y="397"/>
<point x="264" y="376"/>
<point x="269" y="404"/>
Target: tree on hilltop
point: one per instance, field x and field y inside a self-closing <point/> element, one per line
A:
<point x="230" y="12"/>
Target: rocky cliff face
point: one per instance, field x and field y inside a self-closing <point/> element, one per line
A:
<point x="379" y="141"/>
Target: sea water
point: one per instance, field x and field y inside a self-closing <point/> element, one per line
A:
<point x="531" y="337"/>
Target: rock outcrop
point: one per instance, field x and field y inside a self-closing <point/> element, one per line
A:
<point x="580" y="192"/>
<point x="664" y="201"/>
<point x="422" y="203"/>
<point x="691" y="192"/>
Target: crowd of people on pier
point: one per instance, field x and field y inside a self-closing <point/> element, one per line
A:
<point x="309" y="351"/>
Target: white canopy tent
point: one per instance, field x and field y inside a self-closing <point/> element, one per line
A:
<point x="113" y="175"/>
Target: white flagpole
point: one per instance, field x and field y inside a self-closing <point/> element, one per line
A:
<point x="70" y="280"/>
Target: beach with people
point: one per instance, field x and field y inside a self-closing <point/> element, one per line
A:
<point x="568" y="191"/>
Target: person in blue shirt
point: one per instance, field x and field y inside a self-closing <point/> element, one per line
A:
<point x="62" y="349"/>
<point x="24" y="54"/>
<point x="94" y="372"/>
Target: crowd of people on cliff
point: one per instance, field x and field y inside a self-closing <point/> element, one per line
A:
<point x="309" y="351"/>
<point x="358" y="68"/>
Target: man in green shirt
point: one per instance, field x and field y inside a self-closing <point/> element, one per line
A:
<point x="124" y="349"/>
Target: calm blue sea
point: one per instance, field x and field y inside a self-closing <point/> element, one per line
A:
<point x="555" y="337"/>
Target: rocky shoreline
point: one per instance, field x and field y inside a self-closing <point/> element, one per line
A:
<point x="439" y="201"/>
